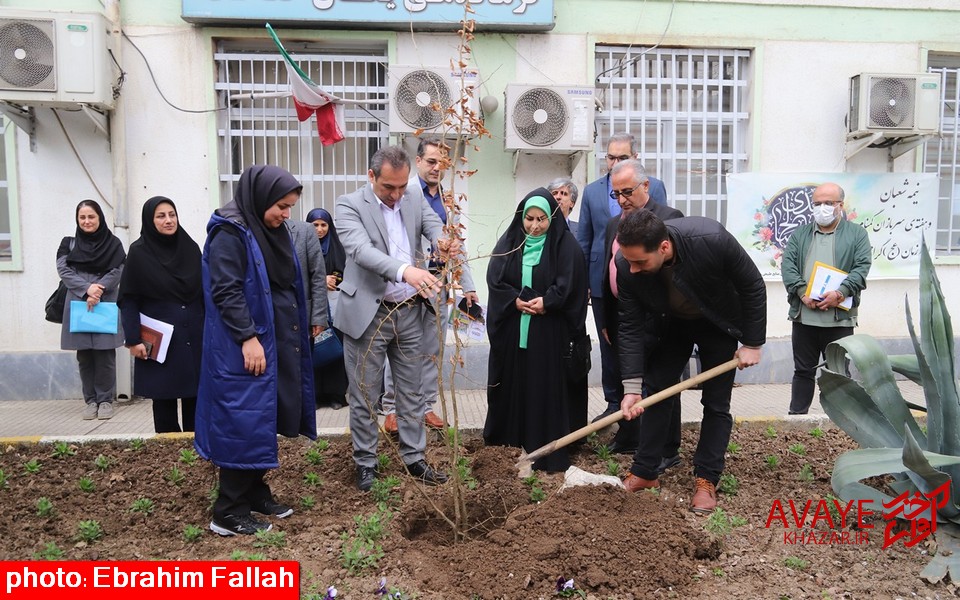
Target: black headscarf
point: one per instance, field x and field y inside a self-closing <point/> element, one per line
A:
<point x="162" y="266"/>
<point x="259" y="188"/>
<point x="97" y="252"/>
<point x="334" y="256"/>
<point x="505" y="265"/>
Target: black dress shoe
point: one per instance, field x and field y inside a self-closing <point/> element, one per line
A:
<point x="668" y="463"/>
<point x="610" y="410"/>
<point x="422" y="471"/>
<point x="272" y="508"/>
<point x="365" y="477"/>
<point x="622" y="448"/>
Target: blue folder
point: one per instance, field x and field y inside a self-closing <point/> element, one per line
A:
<point x="104" y="317"/>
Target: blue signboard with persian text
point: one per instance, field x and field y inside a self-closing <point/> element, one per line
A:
<point x="509" y="15"/>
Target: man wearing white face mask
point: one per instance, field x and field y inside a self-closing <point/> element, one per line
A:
<point x="833" y="240"/>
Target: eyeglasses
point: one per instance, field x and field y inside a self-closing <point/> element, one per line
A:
<point x="613" y="158"/>
<point x="828" y="203"/>
<point x="625" y="193"/>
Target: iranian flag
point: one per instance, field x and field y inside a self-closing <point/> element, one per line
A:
<point x="311" y="100"/>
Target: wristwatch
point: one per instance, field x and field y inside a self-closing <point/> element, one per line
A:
<point x="842" y="297"/>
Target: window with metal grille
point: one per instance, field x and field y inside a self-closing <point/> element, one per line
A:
<point x="260" y="123"/>
<point x="941" y="155"/>
<point x="687" y="108"/>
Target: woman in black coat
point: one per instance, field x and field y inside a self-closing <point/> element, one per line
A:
<point x="529" y="402"/>
<point x="162" y="281"/>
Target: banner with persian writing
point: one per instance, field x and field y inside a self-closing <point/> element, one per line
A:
<point x="896" y="209"/>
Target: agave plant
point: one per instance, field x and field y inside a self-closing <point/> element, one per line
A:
<point x="872" y="411"/>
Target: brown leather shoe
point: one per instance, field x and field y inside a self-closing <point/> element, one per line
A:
<point x="434" y="421"/>
<point x="704" y="497"/>
<point x="635" y="484"/>
<point x="390" y="423"/>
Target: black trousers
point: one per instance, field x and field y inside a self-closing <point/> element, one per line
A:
<point x="663" y="369"/>
<point x="239" y="490"/>
<point x="609" y="363"/>
<point x="809" y="344"/>
<point x="165" y="414"/>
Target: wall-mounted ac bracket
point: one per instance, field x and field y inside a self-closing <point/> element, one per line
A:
<point x="574" y="157"/>
<point x="24" y="118"/>
<point x="857" y="143"/>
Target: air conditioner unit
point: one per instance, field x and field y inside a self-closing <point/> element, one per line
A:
<point x="893" y="104"/>
<point x="421" y="98"/>
<point x="549" y="118"/>
<point x="57" y="59"/>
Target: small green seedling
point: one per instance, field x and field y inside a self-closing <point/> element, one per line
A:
<point x="314" y="456"/>
<point x="770" y="432"/>
<point x="50" y="551"/>
<point x="189" y="457"/>
<point x="192" y="533"/>
<point x="773" y="461"/>
<point x="3" y="480"/>
<point x="142" y="505"/>
<point x="613" y="467"/>
<point x="86" y="484"/>
<point x="101" y="462"/>
<point x="308" y="502"/>
<point x="733" y="447"/>
<point x="384" y="490"/>
<point x="817" y="433"/>
<point x="728" y="484"/>
<point x="806" y="473"/>
<point x="718" y="572"/>
<point x="312" y="479"/>
<point x="321" y="445"/>
<point x="270" y="539"/>
<point x="797" y="564"/>
<point x="89" y="531"/>
<point x="798" y="449"/>
<point x="137" y="443"/>
<point x="44" y="507"/>
<point x="383" y="461"/>
<point x="175" y="475"/>
<point x="603" y="452"/>
<point x="63" y="450"/>
<point x="32" y="466"/>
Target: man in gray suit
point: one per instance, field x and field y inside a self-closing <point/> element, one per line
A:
<point x="379" y="312"/>
<point x="425" y="184"/>
<point x="565" y="192"/>
<point x="314" y="274"/>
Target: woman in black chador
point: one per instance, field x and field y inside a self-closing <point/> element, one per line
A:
<point x="538" y="303"/>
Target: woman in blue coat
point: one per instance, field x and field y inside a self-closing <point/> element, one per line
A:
<point x="162" y="281"/>
<point x="256" y="376"/>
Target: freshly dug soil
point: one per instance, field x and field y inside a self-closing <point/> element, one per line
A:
<point x="613" y="544"/>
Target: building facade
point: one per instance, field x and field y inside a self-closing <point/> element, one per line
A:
<point x="709" y="87"/>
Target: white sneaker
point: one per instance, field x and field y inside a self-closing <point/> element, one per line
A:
<point x="90" y="411"/>
<point x="105" y="411"/>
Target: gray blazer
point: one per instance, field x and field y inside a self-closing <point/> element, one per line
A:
<point x="363" y="234"/>
<point x="77" y="283"/>
<point x="312" y="270"/>
<point x="466" y="276"/>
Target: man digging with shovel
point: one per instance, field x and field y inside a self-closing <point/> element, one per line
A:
<point x="683" y="282"/>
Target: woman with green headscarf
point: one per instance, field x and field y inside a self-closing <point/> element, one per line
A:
<point x="529" y="401"/>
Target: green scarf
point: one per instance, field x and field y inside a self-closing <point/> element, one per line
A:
<point x="532" y="251"/>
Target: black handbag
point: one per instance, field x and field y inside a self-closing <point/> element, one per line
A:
<point x="54" y="305"/>
<point x="576" y="358"/>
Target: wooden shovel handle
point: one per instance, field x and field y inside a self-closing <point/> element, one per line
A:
<point x="611" y="419"/>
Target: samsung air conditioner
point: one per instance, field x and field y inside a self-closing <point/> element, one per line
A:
<point x="57" y="59"/>
<point x="549" y="118"/>
<point x="432" y="99"/>
<point x="894" y="105"/>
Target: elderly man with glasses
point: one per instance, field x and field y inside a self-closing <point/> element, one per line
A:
<point x="820" y="318"/>
<point x="597" y="210"/>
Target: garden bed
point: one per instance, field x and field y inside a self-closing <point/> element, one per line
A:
<point x="152" y="501"/>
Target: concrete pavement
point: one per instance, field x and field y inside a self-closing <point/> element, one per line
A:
<point x="42" y="420"/>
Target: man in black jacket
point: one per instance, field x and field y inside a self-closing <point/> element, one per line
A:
<point x="631" y="186"/>
<point x="682" y="283"/>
